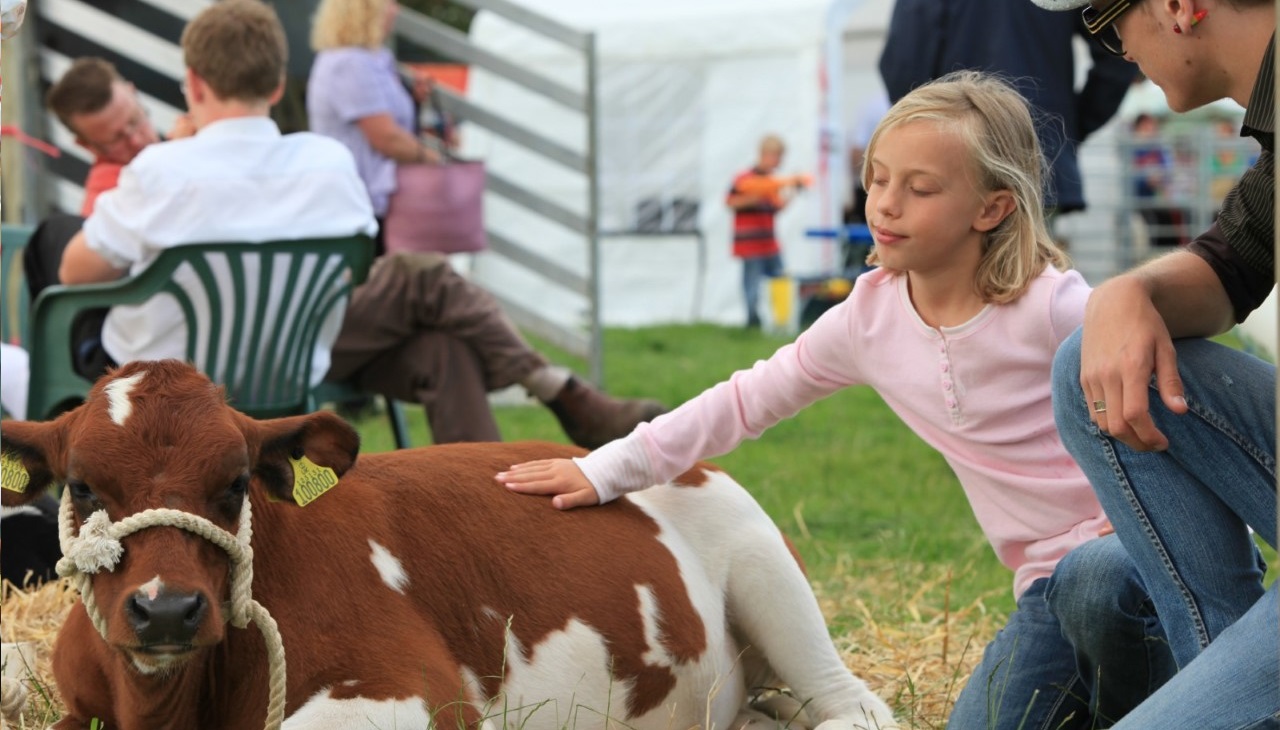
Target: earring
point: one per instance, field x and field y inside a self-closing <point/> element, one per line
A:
<point x="1195" y="20"/>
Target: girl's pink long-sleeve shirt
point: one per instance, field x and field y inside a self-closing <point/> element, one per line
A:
<point x="979" y="393"/>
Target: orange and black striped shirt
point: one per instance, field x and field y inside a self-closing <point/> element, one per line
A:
<point x="753" y="234"/>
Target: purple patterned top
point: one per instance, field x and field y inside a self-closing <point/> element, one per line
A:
<point x="347" y="85"/>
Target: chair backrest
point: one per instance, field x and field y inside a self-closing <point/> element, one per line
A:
<point x="253" y="313"/>
<point x="14" y="298"/>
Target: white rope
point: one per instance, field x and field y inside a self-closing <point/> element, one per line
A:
<point x="98" y="547"/>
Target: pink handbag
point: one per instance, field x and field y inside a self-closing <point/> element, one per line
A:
<point x="437" y="208"/>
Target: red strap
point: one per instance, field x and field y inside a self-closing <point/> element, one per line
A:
<point x="26" y="139"/>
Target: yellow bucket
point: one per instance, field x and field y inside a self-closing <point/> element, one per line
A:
<point x="782" y="305"/>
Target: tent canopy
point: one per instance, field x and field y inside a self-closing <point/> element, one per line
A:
<point x="674" y="28"/>
<point x="686" y="90"/>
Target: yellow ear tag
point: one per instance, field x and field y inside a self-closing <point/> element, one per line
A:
<point x="310" y="480"/>
<point x="13" y="475"/>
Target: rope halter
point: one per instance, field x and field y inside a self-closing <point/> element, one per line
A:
<point x="98" y="547"/>
<point x="13" y="700"/>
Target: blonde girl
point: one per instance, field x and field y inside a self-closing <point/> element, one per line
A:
<point x="956" y="330"/>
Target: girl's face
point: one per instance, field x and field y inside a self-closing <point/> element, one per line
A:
<point x="924" y="207"/>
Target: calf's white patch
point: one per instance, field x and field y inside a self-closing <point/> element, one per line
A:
<point x="388" y="567"/>
<point x="322" y="710"/>
<point x="119" y="406"/>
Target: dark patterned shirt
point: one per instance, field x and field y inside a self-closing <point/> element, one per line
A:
<point x="1240" y="246"/>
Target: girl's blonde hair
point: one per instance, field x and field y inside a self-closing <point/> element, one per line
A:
<point x="995" y="123"/>
<point x="347" y="23"/>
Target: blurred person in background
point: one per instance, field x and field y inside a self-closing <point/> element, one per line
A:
<point x="756" y="196"/>
<point x="1152" y="172"/>
<point x="106" y="117"/>
<point x="1032" y="49"/>
<point x="356" y="95"/>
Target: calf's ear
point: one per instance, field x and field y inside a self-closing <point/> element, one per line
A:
<point x="32" y="457"/>
<point x="297" y="459"/>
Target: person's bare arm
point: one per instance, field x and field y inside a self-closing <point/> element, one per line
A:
<point x="82" y="265"/>
<point x="1189" y="295"/>
<point x="1129" y="326"/>
<point x="390" y="139"/>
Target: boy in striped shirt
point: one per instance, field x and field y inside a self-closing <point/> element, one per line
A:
<point x="756" y="197"/>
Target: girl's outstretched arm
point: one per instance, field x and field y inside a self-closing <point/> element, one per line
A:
<point x="559" y="477"/>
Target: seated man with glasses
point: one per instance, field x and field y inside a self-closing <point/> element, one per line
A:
<point x="107" y="117"/>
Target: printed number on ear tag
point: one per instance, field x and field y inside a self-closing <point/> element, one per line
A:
<point x="13" y="475"/>
<point x="310" y="480"/>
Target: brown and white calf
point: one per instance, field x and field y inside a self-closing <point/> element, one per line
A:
<point x="417" y="592"/>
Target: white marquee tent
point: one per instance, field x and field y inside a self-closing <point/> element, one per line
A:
<point x="686" y="90"/>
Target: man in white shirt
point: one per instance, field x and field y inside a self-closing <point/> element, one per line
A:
<point x="416" y="330"/>
<point x="238" y="180"/>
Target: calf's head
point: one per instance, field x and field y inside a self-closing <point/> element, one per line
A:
<point x="155" y="435"/>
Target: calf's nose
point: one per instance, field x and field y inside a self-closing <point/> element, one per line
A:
<point x="168" y="618"/>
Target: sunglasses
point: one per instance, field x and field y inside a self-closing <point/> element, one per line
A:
<point x="1101" y="24"/>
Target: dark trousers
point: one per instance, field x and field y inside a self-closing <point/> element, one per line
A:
<point x="43" y="255"/>
<point x="417" y="330"/>
<point x="40" y="262"/>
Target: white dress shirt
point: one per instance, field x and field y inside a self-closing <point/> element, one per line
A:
<point x="236" y="180"/>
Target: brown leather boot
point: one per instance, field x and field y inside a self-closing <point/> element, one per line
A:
<point x="592" y="419"/>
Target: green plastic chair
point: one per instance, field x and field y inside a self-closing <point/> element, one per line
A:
<point x="254" y="338"/>
<point x="14" y="298"/>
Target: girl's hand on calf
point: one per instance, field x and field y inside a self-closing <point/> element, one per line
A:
<point x="558" y="477"/>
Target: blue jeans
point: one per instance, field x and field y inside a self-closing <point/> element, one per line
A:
<point x="754" y="271"/>
<point x="1081" y="650"/>
<point x="1183" y="515"/>
<point x="1232" y="685"/>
